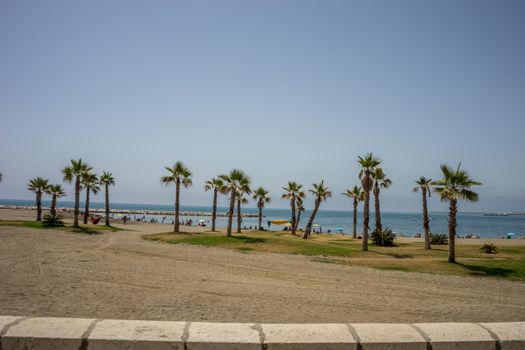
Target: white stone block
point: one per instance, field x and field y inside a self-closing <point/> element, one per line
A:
<point x="6" y="320"/>
<point x="457" y="336"/>
<point x="510" y="334"/>
<point x="308" y="337"/>
<point x="389" y="336"/>
<point x="223" y="336"/>
<point x="46" y="333"/>
<point x="137" y="335"/>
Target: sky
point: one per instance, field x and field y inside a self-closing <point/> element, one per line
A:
<point x="285" y="90"/>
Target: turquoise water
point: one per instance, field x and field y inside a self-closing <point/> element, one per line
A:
<point x="406" y="223"/>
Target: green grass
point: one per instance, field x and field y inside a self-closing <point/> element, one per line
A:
<point x="90" y="229"/>
<point x="508" y="263"/>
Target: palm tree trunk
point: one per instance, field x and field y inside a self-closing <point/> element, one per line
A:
<point x="379" y="227"/>
<point x="53" y="205"/>
<point x="260" y="215"/>
<point x="292" y="204"/>
<point x="77" y="201"/>
<point x="298" y="218"/>
<point x="366" y="219"/>
<point x="86" y="209"/>
<point x="452" y="231"/>
<point x="354" y="228"/>
<point x="177" y="197"/>
<point x="107" y="204"/>
<point x="214" y="211"/>
<point x="311" y="220"/>
<point x="38" y="206"/>
<point x="230" y="213"/>
<point x="426" y="223"/>
<point x="239" y="217"/>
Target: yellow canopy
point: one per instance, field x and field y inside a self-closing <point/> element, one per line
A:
<point x="279" y="222"/>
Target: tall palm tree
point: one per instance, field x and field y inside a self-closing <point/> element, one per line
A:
<point x="261" y="197"/>
<point x="38" y="185"/>
<point x="292" y="192"/>
<point x="217" y="185"/>
<point x="321" y="193"/>
<point x="454" y="186"/>
<point x="380" y="181"/>
<point x="300" y="209"/>
<point x="232" y="182"/>
<point x="178" y="174"/>
<point x="75" y="171"/>
<point x="368" y="164"/>
<point x="55" y="191"/>
<point x="423" y="184"/>
<point x="107" y="180"/>
<point x="357" y="195"/>
<point x="240" y="200"/>
<point x="91" y="183"/>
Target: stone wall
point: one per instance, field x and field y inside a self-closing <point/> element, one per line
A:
<point x="22" y="333"/>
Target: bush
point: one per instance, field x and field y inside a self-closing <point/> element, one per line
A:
<point x="438" y="239"/>
<point x="383" y="238"/>
<point x="489" y="248"/>
<point x="52" y="220"/>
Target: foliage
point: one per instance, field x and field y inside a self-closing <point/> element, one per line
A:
<point x="384" y="238"/>
<point x="438" y="239"/>
<point x="489" y="248"/>
<point x="52" y="220"/>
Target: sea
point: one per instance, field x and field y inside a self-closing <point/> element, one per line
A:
<point x="405" y="223"/>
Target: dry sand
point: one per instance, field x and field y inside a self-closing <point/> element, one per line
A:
<point x="119" y="275"/>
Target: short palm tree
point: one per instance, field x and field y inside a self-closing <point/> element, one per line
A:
<point x="368" y="164"/>
<point x="217" y="185"/>
<point x="55" y="191"/>
<point x="107" y="180"/>
<point x="261" y="197"/>
<point x="91" y="183"/>
<point x="320" y="193"/>
<point x="423" y="184"/>
<point x="380" y="181"/>
<point x="292" y="192"/>
<point x="233" y="182"/>
<point x="179" y="174"/>
<point x="38" y="185"/>
<point x="454" y="186"/>
<point x="300" y="209"/>
<point x="357" y="195"/>
<point x="74" y="172"/>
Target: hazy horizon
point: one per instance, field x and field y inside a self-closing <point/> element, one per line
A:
<point x="291" y="90"/>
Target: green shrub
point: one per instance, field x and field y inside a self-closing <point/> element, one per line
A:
<point x="383" y="238"/>
<point x="489" y="248"/>
<point x="438" y="239"/>
<point x="52" y="220"/>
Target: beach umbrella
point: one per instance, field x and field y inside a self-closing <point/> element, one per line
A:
<point x="316" y="225"/>
<point x="510" y="234"/>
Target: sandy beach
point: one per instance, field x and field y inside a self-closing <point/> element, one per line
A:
<point x="120" y="275"/>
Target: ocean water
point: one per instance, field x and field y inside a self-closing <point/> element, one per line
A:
<point x="406" y="223"/>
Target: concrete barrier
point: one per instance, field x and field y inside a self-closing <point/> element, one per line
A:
<point x="47" y="333"/>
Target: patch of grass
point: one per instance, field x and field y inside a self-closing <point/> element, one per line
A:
<point x="91" y="229"/>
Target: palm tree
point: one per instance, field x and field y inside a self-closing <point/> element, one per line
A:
<point x="75" y="171"/>
<point x="423" y="184"/>
<point x="1" y="177"/>
<point x="321" y="193"/>
<point x="454" y="185"/>
<point x="380" y="181"/>
<point x="232" y="182"/>
<point x="240" y="200"/>
<point x="90" y="182"/>
<point x="368" y="163"/>
<point x="55" y="191"/>
<point x="358" y="196"/>
<point x="261" y="197"/>
<point x="300" y="209"/>
<point x="292" y="192"/>
<point x="217" y="185"/>
<point x="179" y="174"/>
<point x="107" y="180"/>
<point x="38" y="185"/>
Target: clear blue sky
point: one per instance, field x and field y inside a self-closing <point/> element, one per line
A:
<point x="282" y="89"/>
